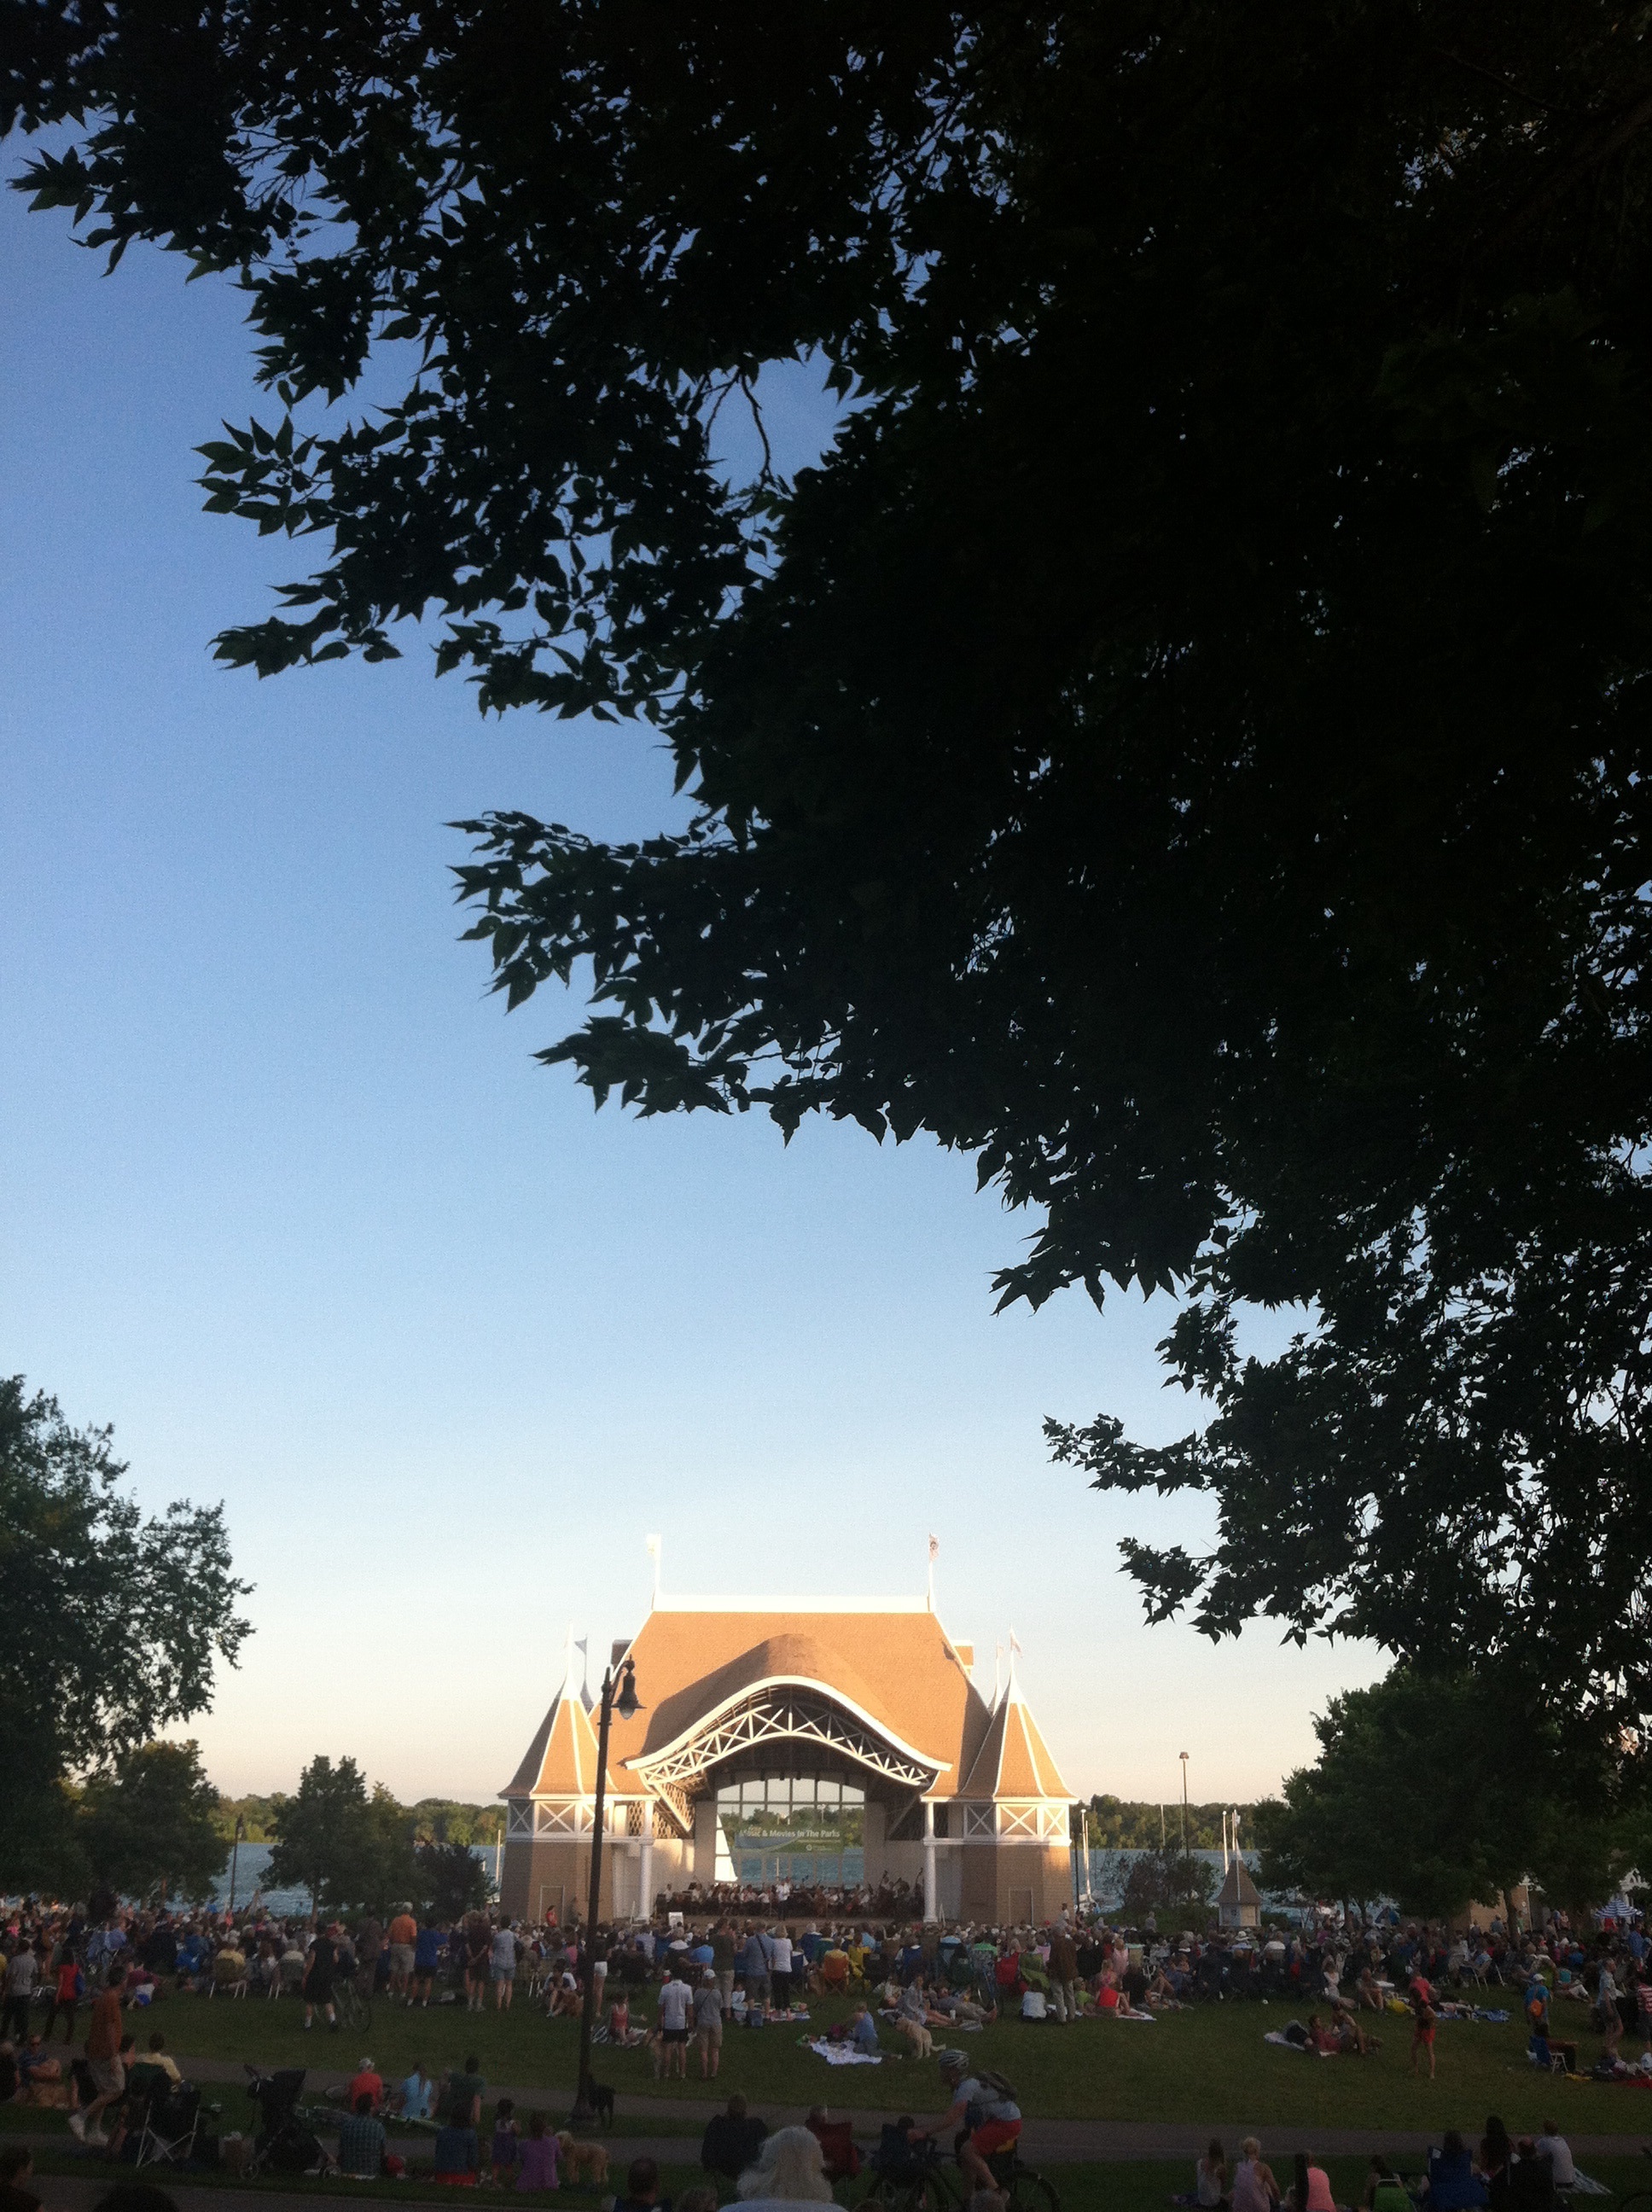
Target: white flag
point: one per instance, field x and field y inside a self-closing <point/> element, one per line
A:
<point x="934" y="1549"/>
<point x="1015" y="1641"/>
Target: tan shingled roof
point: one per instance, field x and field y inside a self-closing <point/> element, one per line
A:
<point x="1014" y="1761"/>
<point x="562" y="1760"/>
<point x="898" y="1666"/>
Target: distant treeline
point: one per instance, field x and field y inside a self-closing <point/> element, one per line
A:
<point x="437" y="1819"/>
<point x="1118" y="1824"/>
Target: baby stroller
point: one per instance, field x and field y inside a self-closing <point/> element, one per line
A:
<point x="284" y="2144"/>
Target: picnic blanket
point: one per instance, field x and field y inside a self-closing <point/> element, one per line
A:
<point x="842" y="2054"/>
<point x="1285" y="2044"/>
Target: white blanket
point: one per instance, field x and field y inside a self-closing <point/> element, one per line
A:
<point x="844" y="2054"/>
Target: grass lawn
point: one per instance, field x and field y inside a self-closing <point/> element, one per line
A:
<point x="1209" y="2066"/>
<point x="1146" y="2186"/>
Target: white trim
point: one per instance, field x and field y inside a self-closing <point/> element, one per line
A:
<point x="641" y="1765"/>
<point x="866" y="1605"/>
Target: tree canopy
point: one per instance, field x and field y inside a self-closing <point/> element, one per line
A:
<point x="345" y="1845"/>
<point x="1183" y="745"/>
<point x="149" y="1829"/>
<point x="111" y="1627"/>
<point x="1436" y="1788"/>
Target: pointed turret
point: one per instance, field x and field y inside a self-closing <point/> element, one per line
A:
<point x="1014" y="1761"/>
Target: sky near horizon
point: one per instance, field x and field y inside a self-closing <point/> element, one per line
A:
<point x="288" y="1201"/>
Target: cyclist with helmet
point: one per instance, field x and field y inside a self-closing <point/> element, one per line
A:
<point x="984" y="2104"/>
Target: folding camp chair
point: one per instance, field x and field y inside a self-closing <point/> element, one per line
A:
<point x="169" y="2125"/>
<point x="840" y="2160"/>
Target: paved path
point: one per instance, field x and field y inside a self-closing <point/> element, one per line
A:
<point x="1051" y="2142"/>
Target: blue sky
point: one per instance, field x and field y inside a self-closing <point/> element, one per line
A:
<point x="287" y="1200"/>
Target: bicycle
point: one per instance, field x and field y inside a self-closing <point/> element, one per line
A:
<point x="353" y="2009"/>
<point x="932" y="2186"/>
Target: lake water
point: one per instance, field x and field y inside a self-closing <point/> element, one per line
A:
<point x="1109" y="1870"/>
<point x="253" y="1862"/>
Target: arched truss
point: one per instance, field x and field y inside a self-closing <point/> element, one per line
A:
<point x="803" y="1716"/>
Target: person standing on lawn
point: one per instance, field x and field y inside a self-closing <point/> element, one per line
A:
<point x="1063" y="1968"/>
<point x="502" y="1966"/>
<point x="103" y="2060"/>
<point x="427" y="1963"/>
<point x="709" y="2023"/>
<point x="67" y="1988"/>
<point x="403" y="1936"/>
<point x="676" y="2005"/>
<point x="320" y="1973"/>
<point x="1423" y="2018"/>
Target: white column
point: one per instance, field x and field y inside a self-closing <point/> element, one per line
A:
<point x="646" y="1866"/>
<point x="931" y="1901"/>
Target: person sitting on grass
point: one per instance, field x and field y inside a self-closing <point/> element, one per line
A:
<point x="16" y="2170"/>
<point x="642" y="2188"/>
<point x="367" y="2082"/>
<point x="1552" y="2146"/>
<point x="37" y="2069"/>
<point x="1310" y="2187"/>
<point x="1254" y="2189"/>
<point x="1211" y="2179"/>
<point x="732" y="2139"/>
<point x="863" y="2031"/>
<point x="362" y="2141"/>
<point x="1451" y="2183"/>
<point x="789" y="2170"/>
<point x="506" y="2149"/>
<point x="536" y="2164"/>
<point x="1384" y="2190"/>
<point x="416" y="2099"/>
<point x="465" y="2092"/>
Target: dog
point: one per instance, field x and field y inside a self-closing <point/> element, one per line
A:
<point x="584" y="2161"/>
<point x="922" y="2042"/>
<point x="602" y="2102"/>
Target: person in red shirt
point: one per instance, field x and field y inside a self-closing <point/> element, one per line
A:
<point x="367" y="2082"/>
<point x="67" y="1992"/>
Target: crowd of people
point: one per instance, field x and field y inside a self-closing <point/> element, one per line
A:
<point x="675" y="1986"/>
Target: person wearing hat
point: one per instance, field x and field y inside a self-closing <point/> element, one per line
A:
<point x="993" y="2118"/>
<point x="367" y="2082"/>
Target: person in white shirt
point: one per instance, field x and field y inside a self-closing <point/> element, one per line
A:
<point x="1553" y="2145"/>
<point x="676" y="2006"/>
<point x="779" y="1971"/>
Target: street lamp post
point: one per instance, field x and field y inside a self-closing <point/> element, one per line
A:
<point x="235" y="1857"/>
<point x="1187" y="1855"/>
<point x="619" y="1695"/>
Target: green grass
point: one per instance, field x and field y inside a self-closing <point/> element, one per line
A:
<point x="1138" y="2186"/>
<point x="1209" y="2066"/>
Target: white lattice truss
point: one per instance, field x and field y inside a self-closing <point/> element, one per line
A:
<point x="528" y="1817"/>
<point x="1045" y="1822"/>
<point x="787" y="1713"/>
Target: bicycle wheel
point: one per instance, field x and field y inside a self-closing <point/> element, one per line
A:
<point x="1030" y="2192"/>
